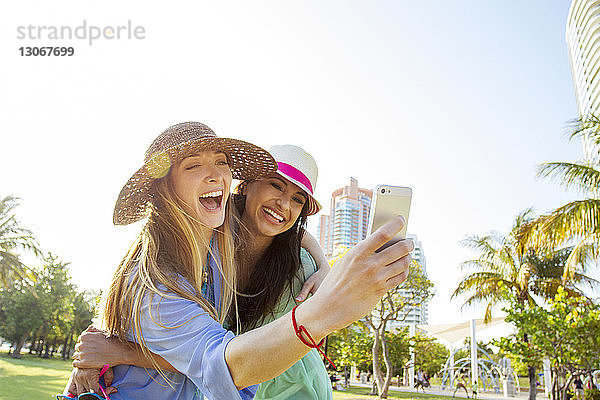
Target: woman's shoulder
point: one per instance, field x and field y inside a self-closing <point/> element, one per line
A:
<point x="307" y="262"/>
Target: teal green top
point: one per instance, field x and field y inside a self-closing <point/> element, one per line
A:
<point x="307" y="379"/>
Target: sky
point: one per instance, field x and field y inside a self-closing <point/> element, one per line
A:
<point x="458" y="100"/>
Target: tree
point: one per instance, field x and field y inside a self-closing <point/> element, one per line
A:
<point x="567" y="333"/>
<point x="48" y="309"/>
<point x="394" y="306"/>
<point x="430" y="355"/>
<point x="13" y="237"/>
<point x="81" y="314"/>
<point x="21" y="313"/>
<point x="505" y="270"/>
<point x="351" y="346"/>
<point x="577" y="222"/>
<point x="501" y="272"/>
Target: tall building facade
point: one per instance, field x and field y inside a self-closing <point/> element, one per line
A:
<point x="583" y="42"/>
<point x="348" y="218"/>
<point x="417" y="315"/>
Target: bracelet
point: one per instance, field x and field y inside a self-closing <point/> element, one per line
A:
<point x="300" y="329"/>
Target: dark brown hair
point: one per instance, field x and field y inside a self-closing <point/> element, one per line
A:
<point x="274" y="272"/>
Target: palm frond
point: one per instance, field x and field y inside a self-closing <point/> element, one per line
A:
<point x="485" y="284"/>
<point x="582" y="279"/>
<point x="487" y="316"/>
<point x="486" y="245"/>
<point x="484" y="265"/>
<point x="584" y="177"/>
<point x="582" y="253"/>
<point x="12" y="269"/>
<point x="477" y="298"/>
<point x="522" y="218"/>
<point x="571" y="222"/>
<point x="588" y="125"/>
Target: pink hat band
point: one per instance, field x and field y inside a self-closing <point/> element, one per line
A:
<point x="295" y="174"/>
<point x="300" y="168"/>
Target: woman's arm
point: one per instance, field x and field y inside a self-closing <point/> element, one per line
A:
<point x="314" y="281"/>
<point x="314" y="248"/>
<point x="95" y="349"/>
<point x="349" y="292"/>
<point x="202" y="350"/>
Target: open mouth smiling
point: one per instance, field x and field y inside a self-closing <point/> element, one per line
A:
<point x="212" y="200"/>
<point x="272" y="215"/>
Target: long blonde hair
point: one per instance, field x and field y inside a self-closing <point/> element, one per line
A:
<point x="169" y="245"/>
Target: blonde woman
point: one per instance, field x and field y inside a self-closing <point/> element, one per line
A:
<point x="174" y="289"/>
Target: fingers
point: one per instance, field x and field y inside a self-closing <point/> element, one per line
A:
<point x="70" y="387"/>
<point x="110" y="390"/>
<point x="108" y="377"/>
<point x="92" y="328"/>
<point x="92" y="380"/>
<point x="380" y="237"/>
<point x="79" y="388"/>
<point x="397" y="280"/>
<point x="396" y="273"/>
<point x="395" y="252"/>
<point x="306" y="289"/>
<point x="86" y="380"/>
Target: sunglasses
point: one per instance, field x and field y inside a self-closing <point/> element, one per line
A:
<point x="82" y="396"/>
<point x="88" y="395"/>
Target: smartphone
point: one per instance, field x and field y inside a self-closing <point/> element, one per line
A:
<point x="388" y="202"/>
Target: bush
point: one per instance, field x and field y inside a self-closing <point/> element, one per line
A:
<point x="592" y="394"/>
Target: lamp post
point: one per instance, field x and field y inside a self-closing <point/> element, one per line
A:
<point x="474" y="364"/>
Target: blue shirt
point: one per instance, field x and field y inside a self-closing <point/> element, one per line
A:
<point x="181" y="332"/>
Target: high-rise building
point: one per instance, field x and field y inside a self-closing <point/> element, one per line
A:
<point x="583" y="42"/>
<point x="417" y="315"/>
<point x="348" y="219"/>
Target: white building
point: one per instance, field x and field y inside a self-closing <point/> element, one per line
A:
<point x="417" y="315"/>
<point x="348" y="218"/>
<point x="583" y="42"/>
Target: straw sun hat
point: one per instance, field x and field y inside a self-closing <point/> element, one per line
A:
<point x="299" y="167"/>
<point x="247" y="161"/>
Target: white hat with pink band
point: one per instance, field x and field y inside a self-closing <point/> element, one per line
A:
<point x="300" y="168"/>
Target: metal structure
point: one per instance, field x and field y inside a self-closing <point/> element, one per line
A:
<point x="490" y="375"/>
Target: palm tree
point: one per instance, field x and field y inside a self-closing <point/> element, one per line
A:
<point x="578" y="222"/>
<point x="13" y="237"/>
<point x="500" y="271"/>
<point x="506" y="269"/>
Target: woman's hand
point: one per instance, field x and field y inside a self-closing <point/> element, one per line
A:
<point x="94" y="349"/>
<point x="349" y="292"/>
<point x="312" y="284"/>
<point x="88" y="380"/>
<point x="359" y="279"/>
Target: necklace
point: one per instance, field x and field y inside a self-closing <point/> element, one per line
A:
<point x="208" y="291"/>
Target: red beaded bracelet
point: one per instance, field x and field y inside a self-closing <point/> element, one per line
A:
<point x="300" y="329"/>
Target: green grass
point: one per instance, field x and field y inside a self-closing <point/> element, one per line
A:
<point x="363" y="393"/>
<point x="40" y="379"/>
<point x="32" y="377"/>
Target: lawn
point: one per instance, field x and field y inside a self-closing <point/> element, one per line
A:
<point x="40" y="379"/>
<point x="363" y="393"/>
<point x="32" y="377"/>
